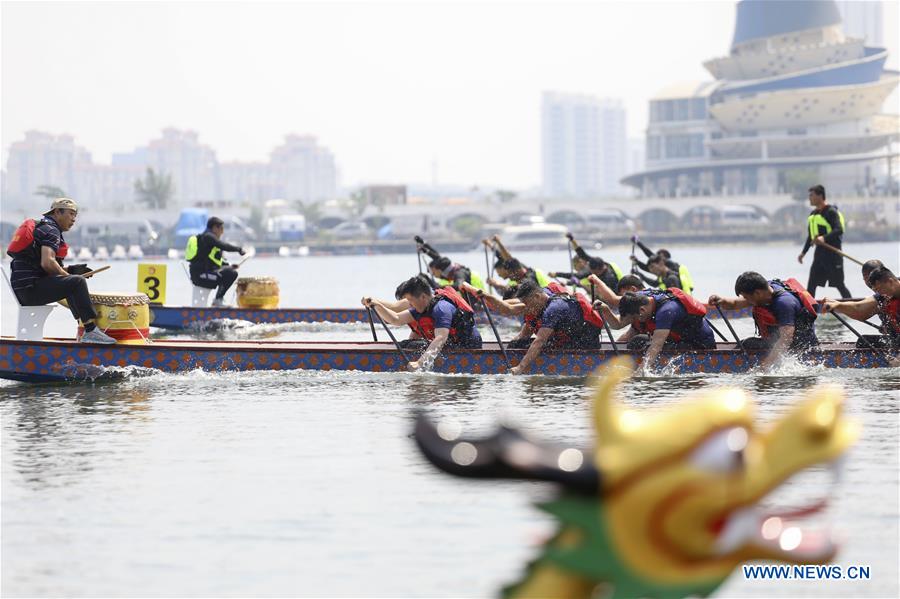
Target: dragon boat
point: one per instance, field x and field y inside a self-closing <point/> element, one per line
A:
<point x="60" y="359"/>
<point x="182" y="318"/>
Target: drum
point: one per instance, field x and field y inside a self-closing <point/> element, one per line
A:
<point x="258" y="292"/>
<point x="123" y="316"/>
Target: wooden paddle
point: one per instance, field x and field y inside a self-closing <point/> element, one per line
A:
<point x="494" y="328"/>
<point x="879" y="350"/>
<point x="391" y="335"/>
<point x="730" y="328"/>
<point x="837" y="251"/>
<point x="372" y="324"/>
<point x="90" y="274"/>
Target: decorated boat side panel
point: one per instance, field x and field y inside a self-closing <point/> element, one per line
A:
<point x="21" y="360"/>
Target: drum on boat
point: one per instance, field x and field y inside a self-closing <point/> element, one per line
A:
<point x="258" y="292"/>
<point x="123" y="316"/>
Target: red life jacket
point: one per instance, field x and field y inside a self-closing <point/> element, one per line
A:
<point x="889" y="312"/>
<point x="464" y="317"/>
<point x="22" y="244"/>
<point x="765" y="318"/>
<point x="589" y="316"/>
<point x="691" y="305"/>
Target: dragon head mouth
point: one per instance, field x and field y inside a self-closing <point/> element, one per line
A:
<point x="675" y="499"/>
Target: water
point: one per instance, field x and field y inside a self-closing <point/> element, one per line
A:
<point x="307" y="483"/>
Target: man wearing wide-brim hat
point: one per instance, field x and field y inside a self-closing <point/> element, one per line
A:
<point x="38" y="277"/>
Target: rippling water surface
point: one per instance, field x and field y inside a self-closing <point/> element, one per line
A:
<point x="307" y="483"/>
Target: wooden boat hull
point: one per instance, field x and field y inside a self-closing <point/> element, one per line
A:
<point x="179" y="318"/>
<point x="66" y="359"/>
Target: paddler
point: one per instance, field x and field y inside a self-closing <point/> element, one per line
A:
<point x="208" y="267"/>
<point x="38" y="277"/>
<point x="670" y="319"/>
<point x="603" y="292"/>
<point x="441" y="317"/>
<point x="666" y="278"/>
<point x="447" y="272"/>
<point x="680" y="269"/>
<point x="608" y="272"/>
<point x="885" y="303"/>
<point x="518" y="271"/>
<point x="784" y="311"/>
<point x="557" y="320"/>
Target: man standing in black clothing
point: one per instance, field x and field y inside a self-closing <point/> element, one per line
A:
<point x="824" y="225"/>
<point x="208" y="268"/>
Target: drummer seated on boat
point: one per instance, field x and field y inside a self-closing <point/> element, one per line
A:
<point x="557" y="320"/>
<point x="885" y="303"/>
<point x="442" y="318"/>
<point x="38" y="277"/>
<point x="208" y="267"/>
<point x="784" y="313"/>
<point x="670" y="319"/>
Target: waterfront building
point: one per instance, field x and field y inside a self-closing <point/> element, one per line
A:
<point x="796" y="100"/>
<point x="583" y="145"/>
<point x="863" y="19"/>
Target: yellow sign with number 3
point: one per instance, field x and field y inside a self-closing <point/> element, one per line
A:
<point x="152" y="281"/>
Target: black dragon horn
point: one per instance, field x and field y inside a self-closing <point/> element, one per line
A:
<point x="507" y="454"/>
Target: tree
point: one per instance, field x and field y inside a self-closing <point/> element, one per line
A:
<point x="51" y="192"/>
<point x="155" y="190"/>
<point x="505" y="195"/>
<point x="355" y="205"/>
<point x="799" y="180"/>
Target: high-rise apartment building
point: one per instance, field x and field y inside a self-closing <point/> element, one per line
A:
<point x="583" y="145"/>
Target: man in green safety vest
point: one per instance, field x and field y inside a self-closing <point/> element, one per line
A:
<point x="825" y="225"/>
<point x="208" y="267"/>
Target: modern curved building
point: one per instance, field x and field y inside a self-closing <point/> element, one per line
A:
<point x="794" y="100"/>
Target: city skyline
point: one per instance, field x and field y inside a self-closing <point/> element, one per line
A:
<point x="299" y="168"/>
<point x="409" y="93"/>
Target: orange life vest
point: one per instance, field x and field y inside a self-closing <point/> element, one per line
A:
<point x="22" y="244"/>
<point x="589" y="316"/>
<point x="765" y="318"/>
<point x="889" y="312"/>
<point x="464" y="317"/>
<point x="691" y="305"/>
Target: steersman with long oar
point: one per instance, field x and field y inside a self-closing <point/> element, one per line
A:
<point x="825" y="227"/>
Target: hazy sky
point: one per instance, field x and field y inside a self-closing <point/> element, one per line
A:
<point x="387" y="86"/>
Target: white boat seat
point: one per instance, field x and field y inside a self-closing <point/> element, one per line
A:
<point x="30" y="319"/>
<point x="199" y="295"/>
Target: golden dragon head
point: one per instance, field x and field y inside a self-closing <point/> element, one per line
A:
<point x="669" y="502"/>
